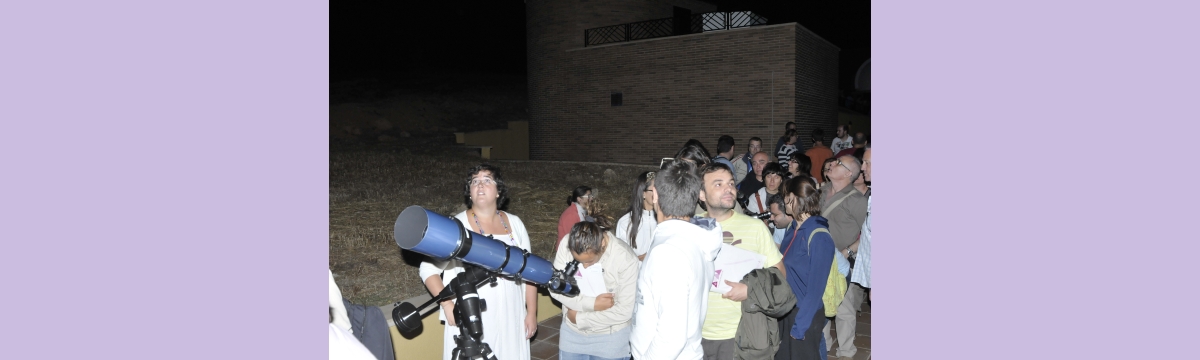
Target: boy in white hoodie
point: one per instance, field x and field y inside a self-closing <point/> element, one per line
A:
<point x="677" y="272"/>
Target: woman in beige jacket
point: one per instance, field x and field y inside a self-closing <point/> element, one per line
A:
<point x="596" y="323"/>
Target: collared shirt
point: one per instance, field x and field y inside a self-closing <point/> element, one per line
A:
<point x="862" y="264"/>
<point x="846" y="220"/>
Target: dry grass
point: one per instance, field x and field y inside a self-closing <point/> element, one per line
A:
<point x="369" y="185"/>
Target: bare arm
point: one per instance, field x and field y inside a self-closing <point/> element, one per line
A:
<point x="531" y="304"/>
<point x="435" y="286"/>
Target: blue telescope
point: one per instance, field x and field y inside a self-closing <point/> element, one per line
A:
<point x="420" y="230"/>
<point x="442" y="238"/>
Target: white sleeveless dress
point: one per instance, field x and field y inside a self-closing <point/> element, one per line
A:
<point x="504" y="320"/>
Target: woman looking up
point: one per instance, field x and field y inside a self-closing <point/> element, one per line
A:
<point x="511" y="306"/>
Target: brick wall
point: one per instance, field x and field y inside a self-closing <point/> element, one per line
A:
<point x="816" y="86"/>
<point x="741" y="82"/>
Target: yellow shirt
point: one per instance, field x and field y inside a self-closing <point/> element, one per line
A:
<point x="746" y="233"/>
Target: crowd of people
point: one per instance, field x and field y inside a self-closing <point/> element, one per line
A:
<point x="649" y="280"/>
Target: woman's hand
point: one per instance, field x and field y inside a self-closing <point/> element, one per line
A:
<point x="530" y="325"/>
<point x="448" y="309"/>
<point x="603" y="302"/>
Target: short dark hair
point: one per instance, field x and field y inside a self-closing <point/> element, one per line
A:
<point x="714" y="167"/>
<point x="678" y="186"/>
<point x="790" y="133"/>
<point x="501" y="189"/>
<point x="774" y="168"/>
<point x="776" y="199"/>
<point x="829" y="160"/>
<point x="753" y="139"/>
<point x="807" y="196"/>
<point x="789" y="124"/>
<point x="804" y="163"/>
<point x="581" y="190"/>
<point x="586" y="237"/>
<point x="818" y="135"/>
<point x="724" y="143"/>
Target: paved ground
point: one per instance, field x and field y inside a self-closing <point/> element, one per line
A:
<point x="545" y="344"/>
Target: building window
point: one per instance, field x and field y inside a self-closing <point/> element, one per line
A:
<point x="616" y="99"/>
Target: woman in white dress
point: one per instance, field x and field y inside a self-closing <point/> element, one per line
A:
<point x="511" y="315"/>
<point x="636" y="227"/>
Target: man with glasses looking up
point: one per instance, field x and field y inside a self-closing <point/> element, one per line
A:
<point x="846" y="209"/>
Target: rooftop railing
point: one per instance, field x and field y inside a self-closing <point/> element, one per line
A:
<point x="649" y="29"/>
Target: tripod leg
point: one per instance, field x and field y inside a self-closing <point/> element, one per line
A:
<point x="487" y="352"/>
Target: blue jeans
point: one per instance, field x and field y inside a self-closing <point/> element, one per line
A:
<point x="563" y="355"/>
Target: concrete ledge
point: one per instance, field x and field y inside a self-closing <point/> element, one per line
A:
<point x="485" y="151"/>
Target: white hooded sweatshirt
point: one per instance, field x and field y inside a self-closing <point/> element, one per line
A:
<point x="672" y="289"/>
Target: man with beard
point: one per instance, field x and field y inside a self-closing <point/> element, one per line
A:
<point x="740" y="231"/>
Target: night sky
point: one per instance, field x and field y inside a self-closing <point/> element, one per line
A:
<point x="372" y="38"/>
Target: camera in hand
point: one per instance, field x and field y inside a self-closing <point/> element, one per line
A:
<point x="760" y="216"/>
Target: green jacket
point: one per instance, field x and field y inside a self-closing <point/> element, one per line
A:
<point x="768" y="297"/>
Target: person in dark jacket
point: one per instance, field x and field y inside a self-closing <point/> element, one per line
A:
<point x="807" y="257"/>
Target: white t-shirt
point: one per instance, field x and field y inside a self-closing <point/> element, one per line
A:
<point x="760" y="195"/>
<point x="645" y="231"/>
<point x="839" y="144"/>
<point x="343" y="346"/>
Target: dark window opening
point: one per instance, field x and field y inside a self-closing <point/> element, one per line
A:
<point x="616" y="99"/>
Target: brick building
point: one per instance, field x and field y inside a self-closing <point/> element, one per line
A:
<point x="638" y="101"/>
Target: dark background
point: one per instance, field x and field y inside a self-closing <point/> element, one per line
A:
<point x="374" y="38"/>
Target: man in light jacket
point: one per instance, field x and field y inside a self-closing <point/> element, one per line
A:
<point x="677" y="272"/>
<point x="597" y="324"/>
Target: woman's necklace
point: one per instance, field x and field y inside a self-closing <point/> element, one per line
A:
<point x="502" y="222"/>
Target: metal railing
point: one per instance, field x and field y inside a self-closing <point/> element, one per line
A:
<point x="730" y="20"/>
<point x="649" y="29"/>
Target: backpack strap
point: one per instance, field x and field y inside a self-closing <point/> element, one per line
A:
<point x="835" y="204"/>
<point x="759" y="200"/>
<point x="810" y="237"/>
<point x="814" y="233"/>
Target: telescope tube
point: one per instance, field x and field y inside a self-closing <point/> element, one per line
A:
<point x="420" y="230"/>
